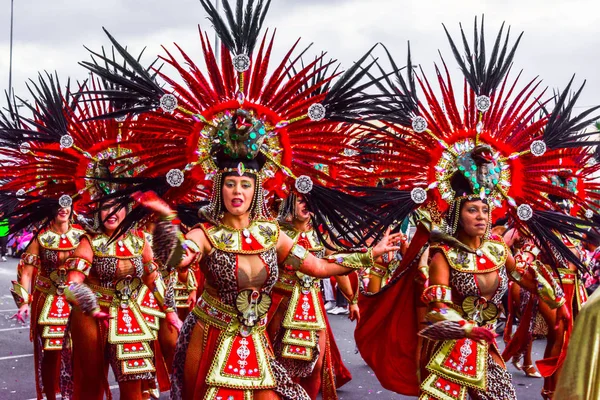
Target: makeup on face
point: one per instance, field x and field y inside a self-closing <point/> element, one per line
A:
<point x="238" y="192"/>
<point x="474" y="217"/>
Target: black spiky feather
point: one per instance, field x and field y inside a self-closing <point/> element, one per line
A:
<point x="239" y="32"/>
<point x="483" y="74"/>
<point x="129" y="86"/>
<point x="565" y="130"/>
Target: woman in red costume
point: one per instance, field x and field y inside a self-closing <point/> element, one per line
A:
<point x="246" y="136"/>
<point x="45" y="152"/>
<point x="457" y="166"/>
<point x="298" y="324"/>
<point x="40" y="290"/>
<point x="575" y="177"/>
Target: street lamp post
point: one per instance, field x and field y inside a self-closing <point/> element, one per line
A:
<point x="217" y="42"/>
<point x="11" y="50"/>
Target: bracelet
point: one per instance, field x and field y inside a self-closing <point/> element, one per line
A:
<point x="170" y="218"/>
<point x="150" y="267"/>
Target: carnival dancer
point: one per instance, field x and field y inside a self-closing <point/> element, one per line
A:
<point x="458" y="166"/>
<point x="35" y="197"/>
<point x="298" y="325"/>
<point x="577" y="178"/>
<point x="65" y="154"/>
<point x="524" y="306"/>
<point x="44" y="259"/>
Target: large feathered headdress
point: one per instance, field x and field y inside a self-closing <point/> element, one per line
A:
<point x="488" y="143"/>
<point x="289" y="124"/>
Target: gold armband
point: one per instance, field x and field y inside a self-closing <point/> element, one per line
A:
<point x="78" y="264"/>
<point x="379" y="270"/>
<point x="295" y="258"/>
<point x="356" y="260"/>
<point x="516" y="275"/>
<point x="20" y="294"/>
<point x="31" y="259"/>
<point x="150" y="267"/>
<point x="191" y="283"/>
<point x="160" y="289"/>
<point x="437" y="294"/>
<point x="444" y="314"/>
<point x="548" y="289"/>
<point x="191" y="245"/>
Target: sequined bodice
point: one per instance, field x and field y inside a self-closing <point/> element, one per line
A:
<point x="115" y="260"/>
<point x="51" y="259"/>
<point x="55" y="248"/>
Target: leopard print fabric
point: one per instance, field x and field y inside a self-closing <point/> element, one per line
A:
<point x="222" y="268"/>
<point x="66" y="365"/>
<point x="106" y="270"/>
<point x="169" y="279"/>
<point x="270" y="259"/>
<point x="286" y="388"/>
<point x="499" y="384"/>
<point x="466" y="284"/>
<point x="183" y="342"/>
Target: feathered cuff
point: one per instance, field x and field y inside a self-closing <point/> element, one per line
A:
<point x="83" y="297"/>
<point x="447" y="324"/>
<point x="167" y="243"/>
<point x="355" y="260"/>
<point x="20" y="294"/>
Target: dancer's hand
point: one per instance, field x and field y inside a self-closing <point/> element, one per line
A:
<point x="174" y="321"/>
<point x="191" y="300"/>
<point x="354" y="313"/>
<point x="481" y="335"/>
<point x="21" y="314"/>
<point x="151" y="201"/>
<point x="387" y="243"/>
<point x="562" y="316"/>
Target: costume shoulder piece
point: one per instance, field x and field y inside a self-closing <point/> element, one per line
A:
<point x="259" y="237"/>
<point x="309" y="239"/>
<point x="489" y="257"/>
<point x="49" y="239"/>
<point x="130" y="246"/>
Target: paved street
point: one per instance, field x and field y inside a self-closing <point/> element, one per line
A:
<point x="16" y="359"/>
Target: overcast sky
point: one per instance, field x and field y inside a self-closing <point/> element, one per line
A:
<point x="561" y="37"/>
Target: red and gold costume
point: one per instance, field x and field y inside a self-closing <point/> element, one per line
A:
<point x="49" y="307"/>
<point x="486" y="144"/>
<point x="299" y="328"/>
<point x="114" y="273"/>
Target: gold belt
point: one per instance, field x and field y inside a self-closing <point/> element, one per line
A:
<point x="49" y="286"/>
<point x="287" y="281"/>
<point x="214" y="312"/>
<point x="107" y="295"/>
<point x="567" y="276"/>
